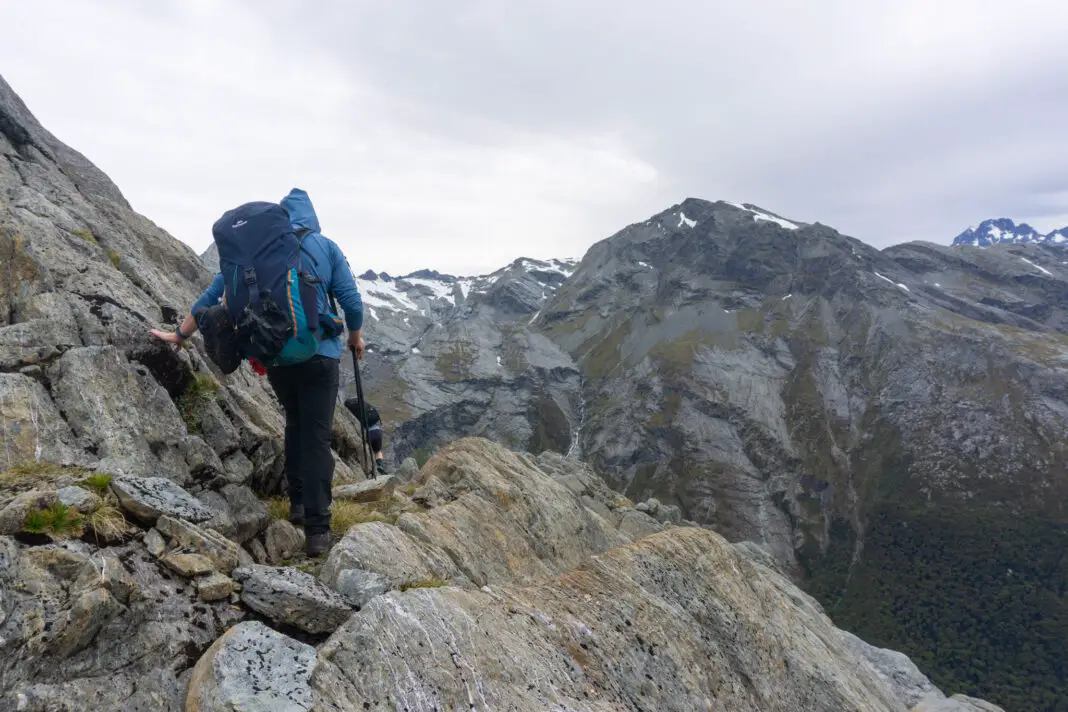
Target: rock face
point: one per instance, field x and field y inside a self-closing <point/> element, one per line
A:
<point x="252" y="667"/>
<point x="620" y="632"/>
<point x="111" y="627"/>
<point x="501" y="518"/>
<point x="81" y="380"/>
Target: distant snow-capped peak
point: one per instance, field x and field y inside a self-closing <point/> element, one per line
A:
<point x="419" y="290"/>
<point x="998" y="231"/>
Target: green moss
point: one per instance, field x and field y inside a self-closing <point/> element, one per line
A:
<point x="201" y="390"/>
<point x="676" y="358"/>
<point x="114" y="257"/>
<point x="604" y="357"/>
<point x="672" y="405"/>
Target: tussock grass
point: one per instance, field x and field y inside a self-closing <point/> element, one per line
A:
<point x="201" y="390"/>
<point x="97" y="482"/>
<point x="278" y="508"/>
<point x="345" y="514"/>
<point x="59" y="520"/>
<point x="108" y="523"/>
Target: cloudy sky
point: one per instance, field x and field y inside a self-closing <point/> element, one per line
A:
<point x="462" y="135"/>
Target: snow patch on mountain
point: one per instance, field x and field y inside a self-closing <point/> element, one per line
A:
<point x="762" y="215"/>
<point x="1043" y="269"/>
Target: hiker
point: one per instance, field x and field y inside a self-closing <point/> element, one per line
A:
<point x="304" y="373"/>
<point x="374" y="430"/>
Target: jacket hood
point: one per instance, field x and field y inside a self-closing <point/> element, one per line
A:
<point x="300" y="209"/>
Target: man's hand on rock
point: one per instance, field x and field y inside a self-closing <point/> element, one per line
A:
<point x="168" y="336"/>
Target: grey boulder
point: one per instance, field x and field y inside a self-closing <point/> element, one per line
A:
<point x="290" y="596"/>
<point x="252" y="668"/>
<point x="149" y="498"/>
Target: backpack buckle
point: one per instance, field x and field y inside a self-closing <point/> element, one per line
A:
<point x="250" y="276"/>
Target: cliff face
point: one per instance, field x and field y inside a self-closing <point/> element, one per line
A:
<point x="772" y="378"/>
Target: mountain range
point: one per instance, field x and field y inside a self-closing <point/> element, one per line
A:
<point x="650" y="479"/>
<point x="781" y="383"/>
<point x="998" y="231"/>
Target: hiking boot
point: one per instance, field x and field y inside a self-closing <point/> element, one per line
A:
<point x="317" y="544"/>
<point x="380" y="468"/>
<point x="296" y="514"/>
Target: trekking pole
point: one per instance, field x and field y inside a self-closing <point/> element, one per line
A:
<point x="365" y="434"/>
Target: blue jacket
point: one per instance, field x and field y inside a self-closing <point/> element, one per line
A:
<point x="322" y="257"/>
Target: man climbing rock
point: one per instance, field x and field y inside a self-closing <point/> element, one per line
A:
<point x="307" y="389"/>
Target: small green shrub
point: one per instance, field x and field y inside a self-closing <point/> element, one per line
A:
<point x="114" y="257"/>
<point x="85" y="235"/>
<point x="201" y="390"/>
<point x="36" y="521"/>
<point x="58" y="520"/>
<point x="97" y="482"/>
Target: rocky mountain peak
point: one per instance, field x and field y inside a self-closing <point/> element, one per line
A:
<point x="1000" y="231"/>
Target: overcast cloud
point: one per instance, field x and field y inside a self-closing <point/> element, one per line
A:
<point x="462" y="135"/>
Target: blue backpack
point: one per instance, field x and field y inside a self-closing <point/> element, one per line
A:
<point x="269" y="300"/>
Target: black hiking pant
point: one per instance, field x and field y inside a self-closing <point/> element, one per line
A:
<point x="308" y="392"/>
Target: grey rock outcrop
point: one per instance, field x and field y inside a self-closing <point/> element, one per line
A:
<point x="82" y="381"/>
<point x="358" y="587"/>
<point x="108" y="626"/>
<point x="80" y="498"/>
<point x="189" y="538"/>
<point x="371" y="490"/>
<point x="906" y="682"/>
<point x="290" y="596"/>
<point x="619" y="632"/>
<point x="149" y="498"/>
<point x="956" y="703"/>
